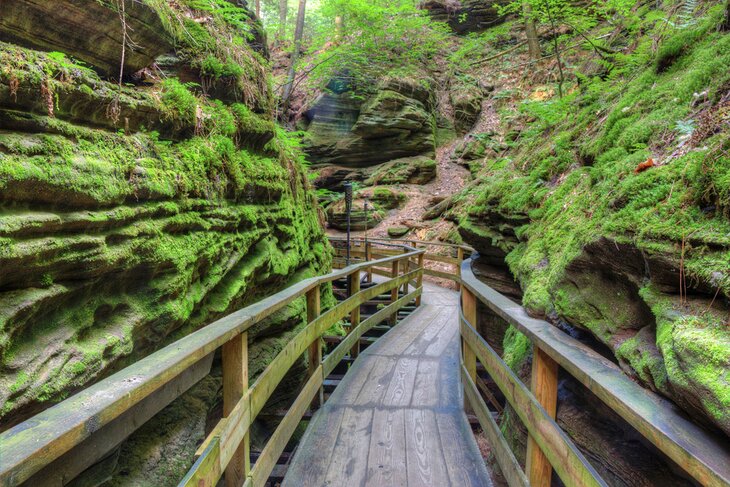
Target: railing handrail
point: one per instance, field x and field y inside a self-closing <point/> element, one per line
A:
<point x="701" y="454"/>
<point x="408" y="241"/>
<point x="29" y="446"/>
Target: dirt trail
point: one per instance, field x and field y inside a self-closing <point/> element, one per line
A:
<point x="450" y="179"/>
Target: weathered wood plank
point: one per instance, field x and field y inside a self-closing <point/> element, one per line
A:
<point x="442" y="275"/>
<point x="425" y="459"/>
<point x="334" y="357"/>
<point x="354" y="282"/>
<point x="206" y="471"/>
<point x="544" y="386"/>
<point x="419" y="279"/>
<point x="379" y="379"/>
<point x="387" y="455"/>
<point x="509" y="465"/>
<point x="277" y="369"/>
<point x="320" y="439"/>
<point x="394" y="292"/>
<point x="566" y="459"/>
<point x="465" y="467"/>
<point x="705" y="456"/>
<point x="373" y="377"/>
<point x="426" y="385"/>
<point x="400" y="389"/>
<point x="314" y="355"/>
<point x="353" y="442"/>
<point x="403" y="338"/>
<point x="441" y="258"/>
<point x="235" y="384"/>
<point x="469" y="309"/>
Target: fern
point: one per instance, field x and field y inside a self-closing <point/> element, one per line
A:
<point x="686" y="14"/>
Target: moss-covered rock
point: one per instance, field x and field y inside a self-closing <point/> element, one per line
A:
<point x="467" y="16"/>
<point x="360" y="218"/>
<point x="466" y="98"/>
<point x="88" y="30"/>
<point x="408" y="170"/>
<point x="342" y="129"/>
<point x="636" y="258"/>
<point x="398" y="231"/>
<point x="131" y="216"/>
<point x="384" y="197"/>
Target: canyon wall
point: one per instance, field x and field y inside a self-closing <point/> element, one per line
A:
<point x="135" y="211"/>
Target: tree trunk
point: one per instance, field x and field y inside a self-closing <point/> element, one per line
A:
<point x="298" y="34"/>
<point x="338" y="27"/>
<point x="283" y="11"/>
<point x="258" y="9"/>
<point x="726" y="24"/>
<point x="557" y="49"/>
<point x="533" y="45"/>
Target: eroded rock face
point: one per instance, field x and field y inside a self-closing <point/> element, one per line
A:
<point x="360" y="219"/>
<point x="618" y="452"/>
<point x="87" y="30"/>
<point x="131" y="217"/>
<point x="408" y="170"/>
<point x="466" y="16"/>
<point x="466" y="99"/>
<point x="395" y="122"/>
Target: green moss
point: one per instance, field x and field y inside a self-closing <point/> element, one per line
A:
<point x="517" y="348"/>
<point x="570" y="204"/>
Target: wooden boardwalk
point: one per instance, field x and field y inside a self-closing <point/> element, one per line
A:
<point x="397" y="417"/>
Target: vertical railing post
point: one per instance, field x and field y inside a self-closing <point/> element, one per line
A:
<point x="406" y="269"/>
<point x="314" y="354"/>
<point x="368" y="256"/>
<point x="544" y="385"/>
<point x="394" y="293"/>
<point x="419" y="277"/>
<point x="459" y="258"/>
<point x="469" y="309"/>
<point x="355" y="313"/>
<point x="235" y="385"/>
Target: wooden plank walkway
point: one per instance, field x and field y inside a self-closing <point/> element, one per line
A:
<point x="397" y="417"/>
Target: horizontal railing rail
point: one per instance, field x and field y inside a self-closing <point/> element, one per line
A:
<point x="36" y="443"/>
<point x="31" y="446"/>
<point x="704" y="456"/>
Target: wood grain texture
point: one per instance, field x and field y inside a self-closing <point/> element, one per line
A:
<point x="569" y="463"/>
<point x="400" y="410"/>
<point x="702" y="454"/>
<point x="235" y="385"/>
<point x="544" y="386"/>
<point x="387" y="455"/>
<point x="508" y="464"/>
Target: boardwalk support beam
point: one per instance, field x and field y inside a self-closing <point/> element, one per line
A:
<point x="314" y="355"/>
<point x="235" y="384"/>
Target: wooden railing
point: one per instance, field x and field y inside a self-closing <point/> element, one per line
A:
<point x="49" y="437"/>
<point x="69" y="426"/>
<point x="704" y="456"/>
